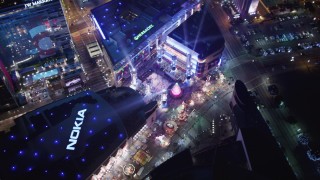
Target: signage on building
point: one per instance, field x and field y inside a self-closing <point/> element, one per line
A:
<point x="33" y="3"/>
<point x="74" y="135"/>
<point x="137" y="37"/>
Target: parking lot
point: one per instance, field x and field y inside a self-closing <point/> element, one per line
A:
<point x="279" y="34"/>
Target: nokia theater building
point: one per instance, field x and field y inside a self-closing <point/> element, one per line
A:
<point x="71" y="138"/>
<point x="133" y="32"/>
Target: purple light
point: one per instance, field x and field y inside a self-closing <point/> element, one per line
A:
<point x="105" y="133"/>
<point x="67" y="157"/>
<point x="32" y="125"/>
<point x="83" y="160"/>
<point x="51" y="156"/>
<point x="51" y="114"/>
<point x="61" y="173"/>
<point x="35" y="154"/>
<point x="45" y="171"/>
<point x="30" y="169"/>
<point x="65" y="115"/>
<point x="41" y="139"/>
<point x="87" y="145"/>
<point x="90" y="131"/>
<point x="26" y="138"/>
<point x="79" y="176"/>
<point x="4" y="150"/>
<point x="101" y="147"/>
<point x="12" y="137"/>
<point x="20" y="152"/>
<point x="46" y="126"/>
<point x="56" y="141"/>
<point x="38" y="113"/>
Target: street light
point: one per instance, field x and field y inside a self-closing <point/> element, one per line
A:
<point x="292" y="59"/>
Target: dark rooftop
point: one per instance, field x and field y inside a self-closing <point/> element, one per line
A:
<point x="265" y="156"/>
<point x="200" y="33"/>
<point x="37" y="145"/>
<point x="127" y="23"/>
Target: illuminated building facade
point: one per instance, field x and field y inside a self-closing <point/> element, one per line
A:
<point x="33" y="32"/>
<point x="8" y="100"/>
<point x="71" y="138"/>
<point x="135" y="31"/>
<point x="246" y="7"/>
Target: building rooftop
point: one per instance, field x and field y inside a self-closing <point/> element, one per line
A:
<point x="69" y="138"/>
<point x="125" y="24"/>
<point x="199" y="33"/>
<point x="266" y="158"/>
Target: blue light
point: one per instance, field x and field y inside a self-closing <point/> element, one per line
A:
<point x="45" y="171"/>
<point x="41" y="139"/>
<point x="87" y="145"/>
<point x="38" y="113"/>
<point x="30" y="169"/>
<point x="67" y="157"/>
<point x="87" y="93"/>
<point x="97" y="106"/>
<point x="83" y="104"/>
<point x="46" y="126"/>
<point x="120" y="135"/>
<point x="65" y="115"/>
<point x="4" y="150"/>
<point x="56" y="141"/>
<point x="26" y="138"/>
<point x="104" y="16"/>
<point x="83" y="160"/>
<point x="35" y="154"/>
<point x="61" y="127"/>
<point x="31" y="125"/>
<point x="20" y="152"/>
<point x="51" y="114"/>
<point x="109" y="120"/>
<point x="61" y="173"/>
<point x="51" y="156"/>
<point x="13" y="168"/>
<point x="79" y="176"/>
<point x="101" y="147"/>
<point x="120" y="3"/>
<point x="12" y="137"/>
<point x="94" y="118"/>
<point x="106" y="133"/>
<point x="106" y="9"/>
<point x="90" y="131"/>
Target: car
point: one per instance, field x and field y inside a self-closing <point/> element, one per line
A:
<point x="273" y="89"/>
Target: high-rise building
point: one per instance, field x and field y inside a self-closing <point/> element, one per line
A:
<point x="33" y="31"/>
<point x="246" y="7"/>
